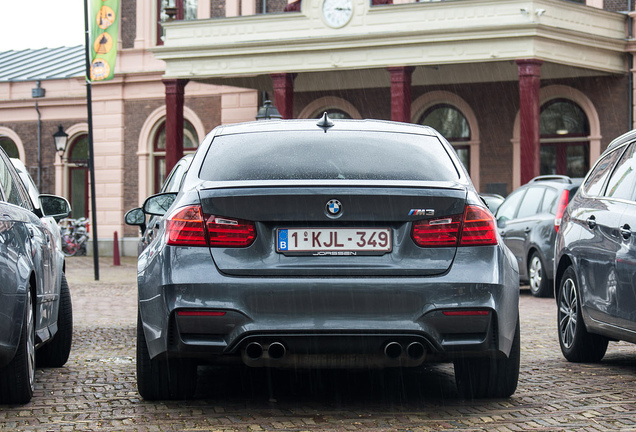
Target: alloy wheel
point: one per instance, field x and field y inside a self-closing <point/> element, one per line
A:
<point x="536" y="273"/>
<point x="568" y="309"/>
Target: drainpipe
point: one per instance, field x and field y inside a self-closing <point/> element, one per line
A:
<point x="39" y="147"/>
<point x="38" y="92"/>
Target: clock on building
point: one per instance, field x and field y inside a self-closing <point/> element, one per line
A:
<point x="337" y="13"/>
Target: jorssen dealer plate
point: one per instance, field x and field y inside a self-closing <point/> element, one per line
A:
<point x="333" y="241"/>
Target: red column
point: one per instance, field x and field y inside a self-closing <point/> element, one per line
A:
<point x="174" y="121"/>
<point x="401" y="93"/>
<point x="529" y="111"/>
<point x="284" y="93"/>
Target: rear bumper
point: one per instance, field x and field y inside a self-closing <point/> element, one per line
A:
<point x="329" y="322"/>
<point x="433" y="337"/>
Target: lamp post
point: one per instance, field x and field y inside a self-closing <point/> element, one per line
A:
<point x="268" y="111"/>
<point x="61" y="139"/>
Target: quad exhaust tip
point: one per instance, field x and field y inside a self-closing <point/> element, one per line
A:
<point x="254" y="350"/>
<point x="276" y="350"/>
<point x="393" y="350"/>
<point x="415" y="350"/>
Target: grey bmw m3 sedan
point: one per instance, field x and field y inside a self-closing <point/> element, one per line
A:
<point x="326" y="244"/>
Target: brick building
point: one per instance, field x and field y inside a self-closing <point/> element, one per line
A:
<point x="520" y="88"/>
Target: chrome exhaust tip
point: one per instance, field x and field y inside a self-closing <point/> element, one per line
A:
<point x="254" y="350"/>
<point x="393" y="350"/>
<point x="276" y="350"/>
<point x="415" y="350"/>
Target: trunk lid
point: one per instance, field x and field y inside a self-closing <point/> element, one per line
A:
<point x="302" y="210"/>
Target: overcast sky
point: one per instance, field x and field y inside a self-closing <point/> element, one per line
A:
<point x="41" y="23"/>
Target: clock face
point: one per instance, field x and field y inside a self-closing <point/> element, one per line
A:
<point x="337" y="13"/>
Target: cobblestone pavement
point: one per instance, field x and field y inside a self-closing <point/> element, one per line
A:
<point x="96" y="390"/>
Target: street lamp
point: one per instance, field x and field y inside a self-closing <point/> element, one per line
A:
<point x="268" y="111"/>
<point x="61" y="139"/>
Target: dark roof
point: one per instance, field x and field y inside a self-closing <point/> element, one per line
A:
<point x="275" y="125"/>
<point x="42" y="64"/>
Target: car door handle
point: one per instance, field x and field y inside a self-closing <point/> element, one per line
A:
<point x="527" y="230"/>
<point x="626" y="231"/>
<point x="591" y="222"/>
<point x="31" y="233"/>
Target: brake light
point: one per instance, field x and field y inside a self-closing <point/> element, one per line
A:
<point x="479" y="227"/>
<point x="230" y="232"/>
<point x="563" y="203"/>
<point x="188" y="226"/>
<point x="441" y="232"/>
<point x="475" y="227"/>
<point x="185" y="227"/>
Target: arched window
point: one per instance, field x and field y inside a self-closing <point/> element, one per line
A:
<point x="9" y="146"/>
<point x="335" y="113"/>
<point x="78" y="176"/>
<point x="452" y="124"/>
<point x="336" y="108"/>
<point x="190" y="144"/>
<point x="564" y="139"/>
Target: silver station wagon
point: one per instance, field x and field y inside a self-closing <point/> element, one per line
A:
<point x="326" y="244"/>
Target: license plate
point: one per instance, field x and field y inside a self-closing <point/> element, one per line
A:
<point x="334" y="241"/>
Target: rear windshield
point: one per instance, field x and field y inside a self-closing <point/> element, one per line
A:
<point x="315" y="155"/>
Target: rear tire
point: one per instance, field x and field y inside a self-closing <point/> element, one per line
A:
<point x="478" y="378"/>
<point x="56" y="352"/>
<point x="18" y="377"/>
<point x="161" y="379"/>
<point x="577" y="345"/>
<point x="540" y="285"/>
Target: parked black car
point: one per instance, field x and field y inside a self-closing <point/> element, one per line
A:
<point x="330" y="243"/>
<point x="35" y="302"/>
<point x="595" y="267"/>
<point x="529" y="220"/>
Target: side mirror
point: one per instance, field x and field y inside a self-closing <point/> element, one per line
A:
<point x="136" y="217"/>
<point x="54" y="206"/>
<point x="158" y="205"/>
<point x="501" y="222"/>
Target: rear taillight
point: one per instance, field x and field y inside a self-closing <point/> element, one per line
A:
<point x="563" y="203"/>
<point x="185" y="227"/>
<point x="225" y="232"/>
<point x="188" y="226"/>
<point x="441" y="232"/>
<point x="479" y="227"/>
<point x="475" y="227"/>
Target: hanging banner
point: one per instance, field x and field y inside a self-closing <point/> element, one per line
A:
<point x="105" y="23"/>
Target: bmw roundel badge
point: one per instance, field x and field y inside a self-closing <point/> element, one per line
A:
<point x="334" y="208"/>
